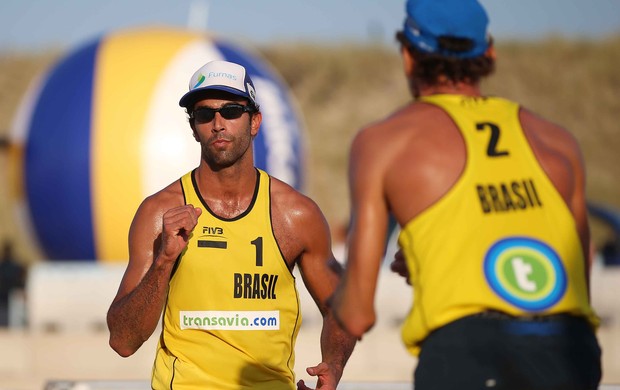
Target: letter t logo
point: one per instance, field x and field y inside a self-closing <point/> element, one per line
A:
<point x="522" y="271"/>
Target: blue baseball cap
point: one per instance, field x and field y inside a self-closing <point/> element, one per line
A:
<point x="427" y="20"/>
<point x="221" y="76"/>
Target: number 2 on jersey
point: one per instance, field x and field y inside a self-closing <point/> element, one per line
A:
<point x="494" y="140"/>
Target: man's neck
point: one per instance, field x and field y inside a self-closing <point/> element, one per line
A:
<point x="448" y="87"/>
<point x="454" y="89"/>
<point x="228" y="192"/>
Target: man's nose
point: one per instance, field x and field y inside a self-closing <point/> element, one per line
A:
<point x="218" y="122"/>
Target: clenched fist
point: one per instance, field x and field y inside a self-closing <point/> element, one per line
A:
<point x="178" y="224"/>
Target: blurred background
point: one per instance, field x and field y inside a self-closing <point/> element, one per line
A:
<point x="89" y="125"/>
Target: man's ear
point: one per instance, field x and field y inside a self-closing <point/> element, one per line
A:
<point x="490" y="52"/>
<point x="193" y="126"/>
<point x="408" y="61"/>
<point x="255" y="122"/>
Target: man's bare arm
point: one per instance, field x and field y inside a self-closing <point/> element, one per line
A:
<point x="321" y="274"/>
<point x="354" y="299"/>
<point x="304" y="237"/>
<point x="136" y="309"/>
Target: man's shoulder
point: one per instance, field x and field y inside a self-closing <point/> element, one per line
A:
<point x="164" y="199"/>
<point x="536" y="126"/>
<point x="413" y="116"/>
<point x="531" y="118"/>
<point x="288" y="202"/>
<point x="417" y="121"/>
<point x="282" y="192"/>
<point x="173" y="189"/>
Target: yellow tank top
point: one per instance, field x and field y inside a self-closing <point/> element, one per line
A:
<point x="502" y="238"/>
<point x="232" y="313"/>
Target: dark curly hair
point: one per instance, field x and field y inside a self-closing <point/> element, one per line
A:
<point x="430" y="66"/>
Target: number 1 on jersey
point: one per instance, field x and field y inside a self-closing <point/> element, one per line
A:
<point x="258" y="243"/>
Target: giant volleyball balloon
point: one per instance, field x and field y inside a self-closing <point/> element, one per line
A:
<point x="102" y="130"/>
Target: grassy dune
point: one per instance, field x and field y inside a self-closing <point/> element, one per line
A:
<point x="340" y="88"/>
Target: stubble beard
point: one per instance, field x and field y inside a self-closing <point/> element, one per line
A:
<point x="221" y="159"/>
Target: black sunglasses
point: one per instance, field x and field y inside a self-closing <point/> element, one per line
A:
<point x="229" y="111"/>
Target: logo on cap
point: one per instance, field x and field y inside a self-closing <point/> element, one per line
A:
<point x="201" y="79"/>
<point x="251" y="91"/>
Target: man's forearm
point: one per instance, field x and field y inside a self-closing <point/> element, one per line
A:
<point x="133" y="318"/>
<point x="336" y="345"/>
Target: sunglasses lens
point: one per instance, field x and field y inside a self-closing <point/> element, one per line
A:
<point x="204" y="115"/>
<point x="231" y="112"/>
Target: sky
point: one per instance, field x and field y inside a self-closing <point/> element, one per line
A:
<point x="34" y="25"/>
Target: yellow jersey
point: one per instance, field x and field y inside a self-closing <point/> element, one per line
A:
<point x="232" y="313"/>
<point x="502" y="238"/>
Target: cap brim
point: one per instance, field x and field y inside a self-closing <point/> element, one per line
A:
<point x="192" y="96"/>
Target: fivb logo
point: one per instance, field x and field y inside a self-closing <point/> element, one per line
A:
<point x="230" y="320"/>
<point x="526" y="273"/>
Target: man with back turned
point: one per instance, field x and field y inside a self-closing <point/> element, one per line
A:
<point x="490" y="199"/>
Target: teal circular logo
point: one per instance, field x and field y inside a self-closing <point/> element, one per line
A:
<point x="525" y="272"/>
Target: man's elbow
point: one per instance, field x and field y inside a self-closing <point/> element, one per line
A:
<point x="356" y="326"/>
<point x="360" y="326"/>
<point x="124" y="349"/>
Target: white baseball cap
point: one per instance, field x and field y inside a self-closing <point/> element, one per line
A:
<point x="221" y="76"/>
